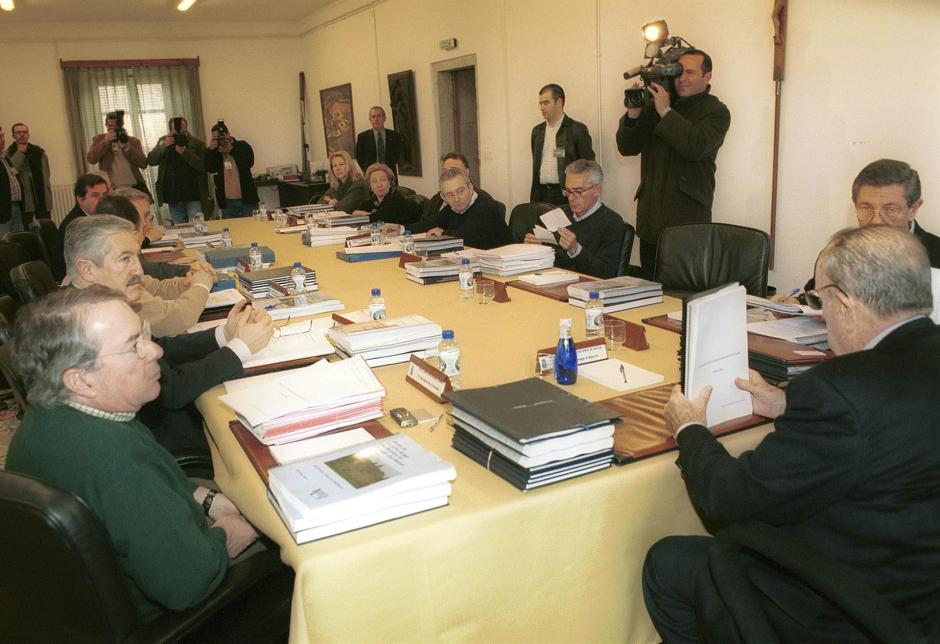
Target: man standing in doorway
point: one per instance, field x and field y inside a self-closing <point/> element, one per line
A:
<point x="379" y="144"/>
<point x="556" y="142"/>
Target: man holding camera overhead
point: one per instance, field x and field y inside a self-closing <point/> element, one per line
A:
<point x="182" y="182"/>
<point x="678" y="135"/>
<point x="231" y="161"/>
<point x="119" y="154"/>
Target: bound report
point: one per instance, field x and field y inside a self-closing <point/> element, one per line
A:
<point x="713" y="351"/>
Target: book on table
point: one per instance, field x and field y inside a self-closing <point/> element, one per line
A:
<point x="512" y="259"/>
<point x="358" y="486"/>
<point x="258" y="282"/>
<point x="433" y="271"/>
<point x="387" y="341"/>
<point x="713" y="351"/>
<point x="299" y="305"/>
<point x="435" y="246"/>
<point x="227" y="258"/>
<point x="617" y="293"/>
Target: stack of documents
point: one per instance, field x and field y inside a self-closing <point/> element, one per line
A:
<point x="172" y="235"/>
<point x="199" y="240"/>
<point x="335" y="236"/>
<point x="301" y="212"/>
<point x="532" y="433"/>
<point x="390" y="341"/>
<point x="335" y="218"/>
<point x="359" y="486"/>
<point x="437" y="245"/>
<point x="512" y="259"/>
<point x="224" y="299"/>
<point x="227" y="258"/>
<point x="308" y="401"/>
<point x="549" y="278"/>
<point x="258" y="282"/>
<point x="297" y="341"/>
<point x="617" y="293"/>
<point x="801" y="330"/>
<point x="369" y="252"/>
<point x="433" y="271"/>
<point x="299" y="305"/>
<point x="778" y="360"/>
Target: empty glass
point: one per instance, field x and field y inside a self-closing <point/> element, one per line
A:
<point x="615" y="332"/>
<point x="485" y="291"/>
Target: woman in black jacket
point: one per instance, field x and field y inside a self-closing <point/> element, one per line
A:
<point x="385" y="202"/>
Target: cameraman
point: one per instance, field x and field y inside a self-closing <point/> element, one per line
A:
<point x="119" y="154"/>
<point x="182" y="182"/>
<point x="231" y="161"/>
<point x="679" y="141"/>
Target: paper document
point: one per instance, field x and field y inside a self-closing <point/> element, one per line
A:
<point x="307" y="448"/>
<point x="935" y="287"/>
<point x="555" y="219"/>
<point x="800" y="329"/>
<point x="547" y="278"/>
<point x="619" y="375"/>
<point x="225" y="297"/>
<point x="544" y="235"/>
<point x="292" y="347"/>
<point x="202" y="326"/>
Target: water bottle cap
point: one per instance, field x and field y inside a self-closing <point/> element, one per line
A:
<point x="254" y="244"/>
<point x="594" y="295"/>
<point x="447" y="335"/>
<point x="464" y="261"/>
<point x="296" y="264"/>
<point x="376" y="291"/>
<point x="565" y="322"/>
<point x="225" y="230"/>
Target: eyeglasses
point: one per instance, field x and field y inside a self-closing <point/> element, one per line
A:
<point x="459" y="192"/>
<point x="140" y="345"/>
<point x="813" y="300"/>
<point x="891" y="212"/>
<point x="577" y="192"/>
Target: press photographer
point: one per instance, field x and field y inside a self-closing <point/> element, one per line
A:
<point x="119" y="154"/>
<point x="231" y="161"/>
<point x="182" y="181"/>
<point x="677" y="126"/>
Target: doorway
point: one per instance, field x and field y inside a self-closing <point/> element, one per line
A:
<point x="457" y="110"/>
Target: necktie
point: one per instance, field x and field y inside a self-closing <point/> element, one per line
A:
<point x="380" y="147"/>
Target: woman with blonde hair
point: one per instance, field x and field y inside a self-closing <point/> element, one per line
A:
<point x="348" y="190"/>
<point x="386" y="203"/>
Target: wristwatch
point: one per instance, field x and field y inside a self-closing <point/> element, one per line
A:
<point x="207" y="502"/>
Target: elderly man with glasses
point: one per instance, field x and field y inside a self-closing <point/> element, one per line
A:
<point x="591" y="244"/>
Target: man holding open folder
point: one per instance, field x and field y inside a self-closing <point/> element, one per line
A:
<point x="850" y="471"/>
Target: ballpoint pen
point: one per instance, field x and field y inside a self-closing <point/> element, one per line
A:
<point x="623" y="372"/>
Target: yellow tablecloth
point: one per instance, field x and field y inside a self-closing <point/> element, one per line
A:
<point x="557" y="564"/>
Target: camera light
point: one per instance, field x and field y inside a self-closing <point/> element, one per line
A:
<point x="184" y="5"/>
<point x="7" y="5"/>
<point x="656" y="31"/>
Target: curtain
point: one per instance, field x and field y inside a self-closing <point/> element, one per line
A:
<point x="149" y="92"/>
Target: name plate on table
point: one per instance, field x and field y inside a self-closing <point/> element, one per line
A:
<point x="407" y="258"/>
<point x="593" y="350"/>
<point x="428" y="379"/>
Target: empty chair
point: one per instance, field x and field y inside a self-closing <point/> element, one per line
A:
<point x="32" y="280"/>
<point x="405" y="190"/>
<point x="696" y="257"/>
<point x="626" y="249"/>
<point x="524" y="216"/>
<point x="47" y="233"/>
<point x="79" y="593"/>
<point x="11" y="256"/>
<point x="30" y="243"/>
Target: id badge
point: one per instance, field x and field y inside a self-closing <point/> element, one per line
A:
<point x="559" y="153"/>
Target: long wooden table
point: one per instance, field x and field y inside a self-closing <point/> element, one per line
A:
<point x="557" y="564"/>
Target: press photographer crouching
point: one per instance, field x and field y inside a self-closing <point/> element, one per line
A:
<point x="231" y="161"/>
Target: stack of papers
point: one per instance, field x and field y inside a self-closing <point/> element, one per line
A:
<point x="390" y="341"/>
<point x="549" y="278"/>
<point x="802" y="329"/>
<point x="302" y="211"/>
<point x="359" y="486"/>
<point x="781" y="307"/>
<point x="224" y="299"/>
<point x="258" y="282"/>
<point x="308" y="401"/>
<point x="369" y="252"/>
<point x="437" y="245"/>
<point x="227" y="258"/>
<point x="335" y="236"/>
<point x="512" y="259"/>
<point x="299" y="305"/>
<point x="433" y="271"/>
<point x="294" y="342"/>
<point x="335" y="218"/>
<point x="532" y="433"/>
<point x="618" y="293"/>
<point x="199" y="240"/>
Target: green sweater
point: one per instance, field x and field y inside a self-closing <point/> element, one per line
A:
<point x="170" y="557"/>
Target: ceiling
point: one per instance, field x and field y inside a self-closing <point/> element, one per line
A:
<point x="160" y="11"/>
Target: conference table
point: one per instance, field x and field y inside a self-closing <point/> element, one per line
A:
<point x="556" y="564"/>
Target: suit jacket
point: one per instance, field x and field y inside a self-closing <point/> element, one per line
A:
<point x="366" y="153"/>
<point x="677" y="168"/>
<point x="572" y="136"/>
<point x="59" y="251"/>
<point x="931" y="243"/>
<point x="195" y="157"/>
<point x="170" y="305"/>
<point x="852" y="470"/>
<point x="6" y="203"/>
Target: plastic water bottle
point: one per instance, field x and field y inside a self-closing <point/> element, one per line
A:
<point x="448" y="356"/>
<point x="566" y="356"/>
<point x="594" y="315"/>
<point x="199" y="222"/>
<point x="408" y="243"/>
<point x="226" y="238"/>
<point x="375" y="234"/>
<point x="254" y="257"/>
<point x="465" y="280"/>
<point x="377" y="305"/>
<point x="297" y="276"/>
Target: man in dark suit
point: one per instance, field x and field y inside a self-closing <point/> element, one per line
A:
<point x="850" y="470"/>
<point x="11" y="193"/>
<point x="556" y="142"/>
<point x="89" y="189"/>
<point x="378" y="144"/>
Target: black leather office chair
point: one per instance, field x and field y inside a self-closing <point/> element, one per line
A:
<point x="626" y="249"/>
<point x="47" y="233"/>
<point x="8" y="309"/>
<point x="32" y="280"/>
<point x="501" y="207"/>
<point x="696" y="257"/>
<point x="11" y="256"/>
<point x="30" y="243"/>
<point x="524" y="216"/>
<point x="62" y="581"/>
<point x="837" y="583"/>
<point x="8" y="378"/>
<point x="405" y="190"/>
<point x="416" y="203"/>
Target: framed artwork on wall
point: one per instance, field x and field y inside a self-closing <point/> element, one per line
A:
<point x="338" y="126"/>
<point x="401" y="91"/>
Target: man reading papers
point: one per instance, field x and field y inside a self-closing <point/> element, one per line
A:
<point x="850" y="470"/>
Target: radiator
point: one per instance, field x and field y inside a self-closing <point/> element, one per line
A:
<point x="63" y="200"/>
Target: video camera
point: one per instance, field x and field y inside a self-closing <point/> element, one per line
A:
<point x="180" y="138"/>
<point x="120" y="134"/>
<point x="662" y="67"/>
<point x="222" y="131"/>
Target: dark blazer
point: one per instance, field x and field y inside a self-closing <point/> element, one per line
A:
<point x="350" y="195"/>
<point x="851" y="470"/>
<point x="366" y="153"/>
<point x="6" y="203"/>
<point x="72" y="215"/>
<point x="572" y="136"/>
<point x="480" y="225"/>
<point x="931" y="243"/>
<point x="191" y="364"/>
<point x="244" y="158"/>
<point x="601" y="237"/>
<point x="162" y="270"/>
<point x="394" y="209"/>
<point x="677" y="168"/>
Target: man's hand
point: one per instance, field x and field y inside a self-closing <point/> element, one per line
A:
<point x="530" y="239"/>
<point x="238" y="533"/>
<point x="169" y="140"/>
<point x="255" y="330"/>
<point x="568" y="240"/>
<point x="109" y="136"/>
<point x="330" y="201"/>
<point x="768" y="400"/>
<point x="221" y="507"/>
<point x="634" y="112"/>
<point x="661" y="98"/>
<point x="213" y="143"/>
<point x="234" y="315"/>
<point x="202" y="265"/>
<point x="21" y="147"/>
<point x="437" y="231"/>
<point x="680" y="410"/>
<point x="201" y="277"/>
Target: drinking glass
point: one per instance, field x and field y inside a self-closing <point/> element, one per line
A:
<point x="615" y="332"/>
<point x="485" y="291"/>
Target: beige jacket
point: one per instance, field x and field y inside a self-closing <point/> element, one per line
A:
<point x="171" y="306"/>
